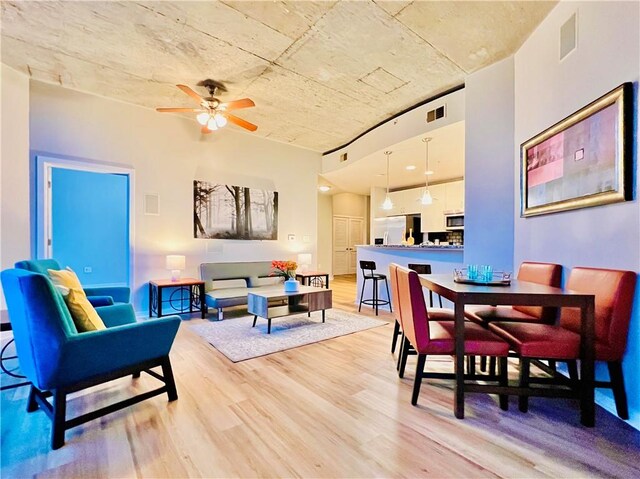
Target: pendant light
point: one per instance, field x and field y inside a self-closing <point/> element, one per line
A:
<point x="387" y="203"/>
<point x="426" y="196"/>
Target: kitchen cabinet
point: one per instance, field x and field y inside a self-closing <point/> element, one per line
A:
<point x="405" y="202"/>
<point x="432" y="216"/>
<point x="454" y="196"/>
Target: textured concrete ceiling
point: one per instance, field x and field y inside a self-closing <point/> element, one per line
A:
<point x="319" y="72"/>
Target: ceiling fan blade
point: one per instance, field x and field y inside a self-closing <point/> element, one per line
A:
<point x="241" y="122"/>
<point x="191" y="93"/>
<point x="237" y="104"/>
<point x="204" y="130"/>
<point x="181" y="110"/>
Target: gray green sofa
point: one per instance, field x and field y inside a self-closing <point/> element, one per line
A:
<point x="228" y="284"/>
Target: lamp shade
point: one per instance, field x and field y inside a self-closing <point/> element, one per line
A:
<point x="304" y="261"/>
<point x="176" y="261"/>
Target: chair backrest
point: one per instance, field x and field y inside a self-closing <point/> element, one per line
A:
<point x="395" y="303"/>
<point x="38" y="265"/>
<point x="548" y="274"/>
<point x="40" y="321"/>
<point x="413" y="309"/>
<point x="614" y="291"/>
<point x="367" y="266"/>
<point x="420" y="268"/>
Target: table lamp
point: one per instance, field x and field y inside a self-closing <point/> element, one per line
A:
<point x="175" y="263"/>
<point x="304" y="261"/>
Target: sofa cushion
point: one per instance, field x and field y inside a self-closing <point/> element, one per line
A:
<point x="84" y="315"/>
<point x="211" y="272"/>
<point x="221" y="298"/>
<point x="256" y="282"/>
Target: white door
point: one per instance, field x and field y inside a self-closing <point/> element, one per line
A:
<point x="340" y="245"/>
<point x="347" y="233"/>
<point x="356" y="237"/>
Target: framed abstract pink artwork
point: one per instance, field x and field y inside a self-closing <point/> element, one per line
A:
<point x="581" y="161"/>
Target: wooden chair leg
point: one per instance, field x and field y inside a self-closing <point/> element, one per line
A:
<point x="32" y="404"/>
<point x="394" y="339"/>
<point x="504" y="381"/>
<point x="483" y="363"/>
<point x="471" y="365"/>
<point x="552" y="364"/>
<point x="523" y="401"/>
<point x="617" y="384"/>
<point x="403" y="356"/>
<point x="58" y="420"/>
<point x="492" y="366"/>
<point x="169" y="380"/>
<point x="572" y="366"/>
<point x="418" y="379"/>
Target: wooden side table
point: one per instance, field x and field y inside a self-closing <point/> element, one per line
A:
<point x="190" y="289"/>
<point x="314" y="278"/>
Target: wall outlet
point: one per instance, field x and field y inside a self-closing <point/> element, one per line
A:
<point x="292" y="237"/>
<point x="88" y="269"/>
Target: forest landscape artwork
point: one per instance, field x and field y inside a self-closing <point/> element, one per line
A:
<point x="234" y="212"/>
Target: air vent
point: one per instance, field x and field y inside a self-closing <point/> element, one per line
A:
<point x="436" y="114"/>
<point x="568" y="36"/>
<point x="343" y="157"/>
<point x="151" y="204"/>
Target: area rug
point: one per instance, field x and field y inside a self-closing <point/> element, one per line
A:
<point x="238" y="341"/>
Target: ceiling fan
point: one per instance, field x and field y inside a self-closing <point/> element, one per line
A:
<point x="214" y="114"/>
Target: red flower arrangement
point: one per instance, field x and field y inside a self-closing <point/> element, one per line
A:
<point x="284" y="268"/>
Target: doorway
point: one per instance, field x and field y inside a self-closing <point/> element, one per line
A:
<point x="348" y="232"/>
<point x="84" y="213"/>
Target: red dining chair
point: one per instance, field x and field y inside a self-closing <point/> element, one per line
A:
<point x="438" y="337"/>
<point x="548" y="274"/>
<point x="613" y="290"/>
<point x="434" y="314"/>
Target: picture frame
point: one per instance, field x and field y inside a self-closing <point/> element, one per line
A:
<point x="582" y="161"/>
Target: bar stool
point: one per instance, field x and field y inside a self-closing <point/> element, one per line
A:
<point x="368" y="268"/>
<point x="425" y="269"/>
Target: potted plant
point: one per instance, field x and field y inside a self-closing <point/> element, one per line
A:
<point x="288" y="270"/>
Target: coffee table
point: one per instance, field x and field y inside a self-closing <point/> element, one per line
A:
<point x="306" y="300"/>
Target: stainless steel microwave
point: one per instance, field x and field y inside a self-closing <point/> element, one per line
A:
<point x="454" y="222"/>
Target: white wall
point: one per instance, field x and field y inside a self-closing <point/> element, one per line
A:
<point x="489" y="166"/>
<point x="407" y="126"/>
<point x="325" y="233"/>
<point x="14" y="170"/>
<point x="546" y="91"/>
<point x="167" y="154"/>
<point x="349" y="204"/>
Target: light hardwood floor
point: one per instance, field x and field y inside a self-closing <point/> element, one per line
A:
<point x="330" y="409"/>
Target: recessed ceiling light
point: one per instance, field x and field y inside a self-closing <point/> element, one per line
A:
<point x="410" y="167"/>
<point x="428" y="172"/>
<point x="324" y="188"/>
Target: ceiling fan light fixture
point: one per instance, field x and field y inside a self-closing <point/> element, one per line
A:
<point x="203" y="118"/>
<point x="220" y="120"/>
<point x="212" y="125"/>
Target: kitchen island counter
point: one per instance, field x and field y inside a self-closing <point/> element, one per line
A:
<point x="443" y="260"/>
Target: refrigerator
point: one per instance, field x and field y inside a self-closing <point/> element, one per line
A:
<point x="389" y="230"/>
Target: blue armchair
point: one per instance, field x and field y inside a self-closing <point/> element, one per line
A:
<point x="99" y="296"/>
<point x="58" y="360"/>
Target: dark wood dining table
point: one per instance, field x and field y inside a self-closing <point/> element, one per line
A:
<point x="519" y="293"/>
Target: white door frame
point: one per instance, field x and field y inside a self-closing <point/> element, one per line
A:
<point x="44" y="164"/>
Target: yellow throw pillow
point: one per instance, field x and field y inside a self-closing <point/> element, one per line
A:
<point x="84" y="315"/>
<point x="66" y="278"/>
